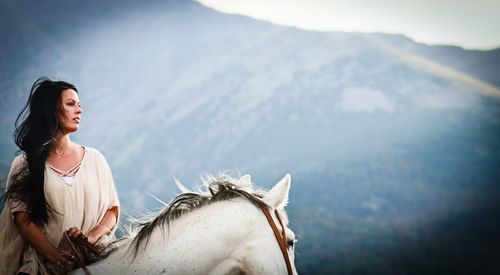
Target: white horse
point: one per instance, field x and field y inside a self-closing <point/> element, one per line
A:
<point x="221" y="231"/>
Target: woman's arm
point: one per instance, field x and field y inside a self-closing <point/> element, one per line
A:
<point x="107" y="223"/>
<point x="34" y="235"/>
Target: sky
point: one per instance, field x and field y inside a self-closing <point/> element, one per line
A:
<point x="471" y="24"/>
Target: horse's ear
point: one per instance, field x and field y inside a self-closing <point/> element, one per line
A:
<point x="278" y="196"/>
<point x="181" y="186"/>
<point x="245" y="182"/>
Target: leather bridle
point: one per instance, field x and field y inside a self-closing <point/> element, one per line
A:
<point x="282" y="242"/>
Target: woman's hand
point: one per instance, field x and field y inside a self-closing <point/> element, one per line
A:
<point x="62" y="262"/>
<point x="76" y="233"/>
<point x="37" y="239"/>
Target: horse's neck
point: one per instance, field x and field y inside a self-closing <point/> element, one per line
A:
<point x="220" y="238"/>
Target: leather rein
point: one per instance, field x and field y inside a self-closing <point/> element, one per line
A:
<point x="79" y="257"/>
<point x="281" y="238"/>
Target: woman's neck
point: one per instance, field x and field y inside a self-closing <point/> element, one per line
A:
<point x="62" y="145"/>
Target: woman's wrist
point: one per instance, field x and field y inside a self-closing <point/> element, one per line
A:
<point x="92" y="239"/>
<point x="97" y="232"/>
<point x="106" y="230"/>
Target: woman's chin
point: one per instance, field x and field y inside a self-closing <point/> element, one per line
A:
<point x="70" y="130"/>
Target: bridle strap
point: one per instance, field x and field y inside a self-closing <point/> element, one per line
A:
<point x="280" y="238"/>
<point x="283" y="229"/>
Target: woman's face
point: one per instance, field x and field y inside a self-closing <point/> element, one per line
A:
<point x="71" y="112"/>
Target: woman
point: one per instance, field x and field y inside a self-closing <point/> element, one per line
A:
<point x="54" y="186"/>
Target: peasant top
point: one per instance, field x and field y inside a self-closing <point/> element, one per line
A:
<point x="81" y="199"/>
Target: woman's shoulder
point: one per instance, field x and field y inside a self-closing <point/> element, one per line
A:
<point x="20" y="157"/>
<point x="18" y="164"/>
<point x="93" y="153"/>
<point x="18" y="161"/>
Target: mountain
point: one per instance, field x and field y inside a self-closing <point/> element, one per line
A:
<point x="392" y="145"/>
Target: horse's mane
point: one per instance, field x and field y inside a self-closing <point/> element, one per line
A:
<point x="218" y="189"/>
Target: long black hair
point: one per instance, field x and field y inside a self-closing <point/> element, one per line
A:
<point x="36" y="128"/>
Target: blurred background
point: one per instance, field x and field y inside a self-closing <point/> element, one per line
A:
<point x="386" y="114"/>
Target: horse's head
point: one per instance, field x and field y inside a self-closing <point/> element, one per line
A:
<point x="276" y="200"/>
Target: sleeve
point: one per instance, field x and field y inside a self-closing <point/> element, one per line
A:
<point x="17" y="165"/>
<point x="111" y="191"/>
<point x="11" y="242"/>
<point x="113" y="199"/>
